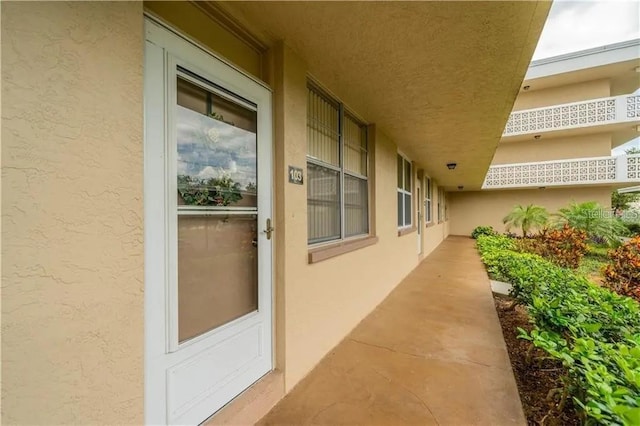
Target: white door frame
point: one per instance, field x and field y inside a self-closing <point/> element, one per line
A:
<point x="170" y="366"/>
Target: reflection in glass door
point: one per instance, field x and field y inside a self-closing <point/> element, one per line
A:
<point x="217" y="207"/>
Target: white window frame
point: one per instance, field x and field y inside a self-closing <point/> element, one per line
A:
<point x="342" y="113"/>
<point x="405" y="160"/>
<point x="428" y="199"/>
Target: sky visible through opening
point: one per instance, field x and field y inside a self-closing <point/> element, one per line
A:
<point x="578" y="25"/>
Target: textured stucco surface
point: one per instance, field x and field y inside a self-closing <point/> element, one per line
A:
<point x="72" y="283"/>
<point x="551" y="148"/>
<point x="189" y="19"/>
<point x="471" y="209"/>
<point x="439" y="78"/>
<point x="562" y="94"/>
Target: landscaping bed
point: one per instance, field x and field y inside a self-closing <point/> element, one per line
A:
<point x="534" y="381"/>
<point x="576" y="343"/>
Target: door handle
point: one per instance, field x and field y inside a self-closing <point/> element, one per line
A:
<point x="269" y="229"/>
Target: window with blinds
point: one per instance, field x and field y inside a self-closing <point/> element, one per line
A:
<point x="441" y="205"/>
<point x="337" y="171"/>
<point x="404" y="192"/>
<point x="428" y="195"/>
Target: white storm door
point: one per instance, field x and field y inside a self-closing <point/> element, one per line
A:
<point x="208" y="251"/>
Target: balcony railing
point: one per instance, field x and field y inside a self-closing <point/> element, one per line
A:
<point x="595" y="112"/>
<point x="578" y="171"/>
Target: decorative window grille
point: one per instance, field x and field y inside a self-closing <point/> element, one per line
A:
<point x="337" y="171"/>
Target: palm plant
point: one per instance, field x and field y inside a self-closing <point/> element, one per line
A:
<point x="526" y="218"/>
<point x="591" y="218"/>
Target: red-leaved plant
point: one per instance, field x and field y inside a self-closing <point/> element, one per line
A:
<point x="622" y="274"/>
<point x="565" y="247"/>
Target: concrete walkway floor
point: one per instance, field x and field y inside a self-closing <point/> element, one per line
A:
<point x="432" y="353"/>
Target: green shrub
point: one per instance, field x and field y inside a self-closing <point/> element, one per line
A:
<point x="591" y="218"/>
<point x="592" y="330"/>
<point x="598" y="251"/>
<point x="483" y="230"/>
<point x="634" y="228"/>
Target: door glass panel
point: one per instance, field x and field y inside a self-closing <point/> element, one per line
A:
<point x="217" y="271"/>
<point x="216" y="175"/>
<point x="217" y="163"/>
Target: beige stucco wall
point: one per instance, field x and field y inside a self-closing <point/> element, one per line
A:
<point x="433" y="235"/>
<point x="471" y="209"/>
<point x="318" y="304"/>
<point x="188" y="18"/>
<point x="72" y="302"/>
<point x="545" y="149"/>
<point x="562" y="94"/>
<point x="72" y="309"/>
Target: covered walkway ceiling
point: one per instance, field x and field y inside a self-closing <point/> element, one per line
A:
<point x="439" y="78"/>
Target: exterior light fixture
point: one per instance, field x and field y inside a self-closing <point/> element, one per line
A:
<point x="537" y="136"/>
<point x="451" y="166"/>
<point x="460" y="187"/>
<point x="543" y="187"/>
<point x="527" y="87"/>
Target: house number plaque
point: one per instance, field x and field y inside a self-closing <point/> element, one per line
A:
<point x="295" y="175"/>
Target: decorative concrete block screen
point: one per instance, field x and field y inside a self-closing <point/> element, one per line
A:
<point x="595" y="112"/>
<point x="633" y="167"/>
<point x="579" y="171"/>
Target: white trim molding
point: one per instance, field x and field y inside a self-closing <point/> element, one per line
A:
<point x="589" y="58"/>
<point x="629" y="190"/>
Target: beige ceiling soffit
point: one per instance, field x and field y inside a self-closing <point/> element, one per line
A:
<point x="541" y="13"/>
<point x="219" y="14"/>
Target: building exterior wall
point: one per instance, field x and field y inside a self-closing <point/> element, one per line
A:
<point x="72" y="173"/>
<point x="73" y="279"/>
<point x="471" y="209"/>
<point x="318" y="304"/>
<point x="480" y="208"/>
<point x="562" y="94"/>
<point x="190" y="19"/>
<point x="546" y="149"/>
